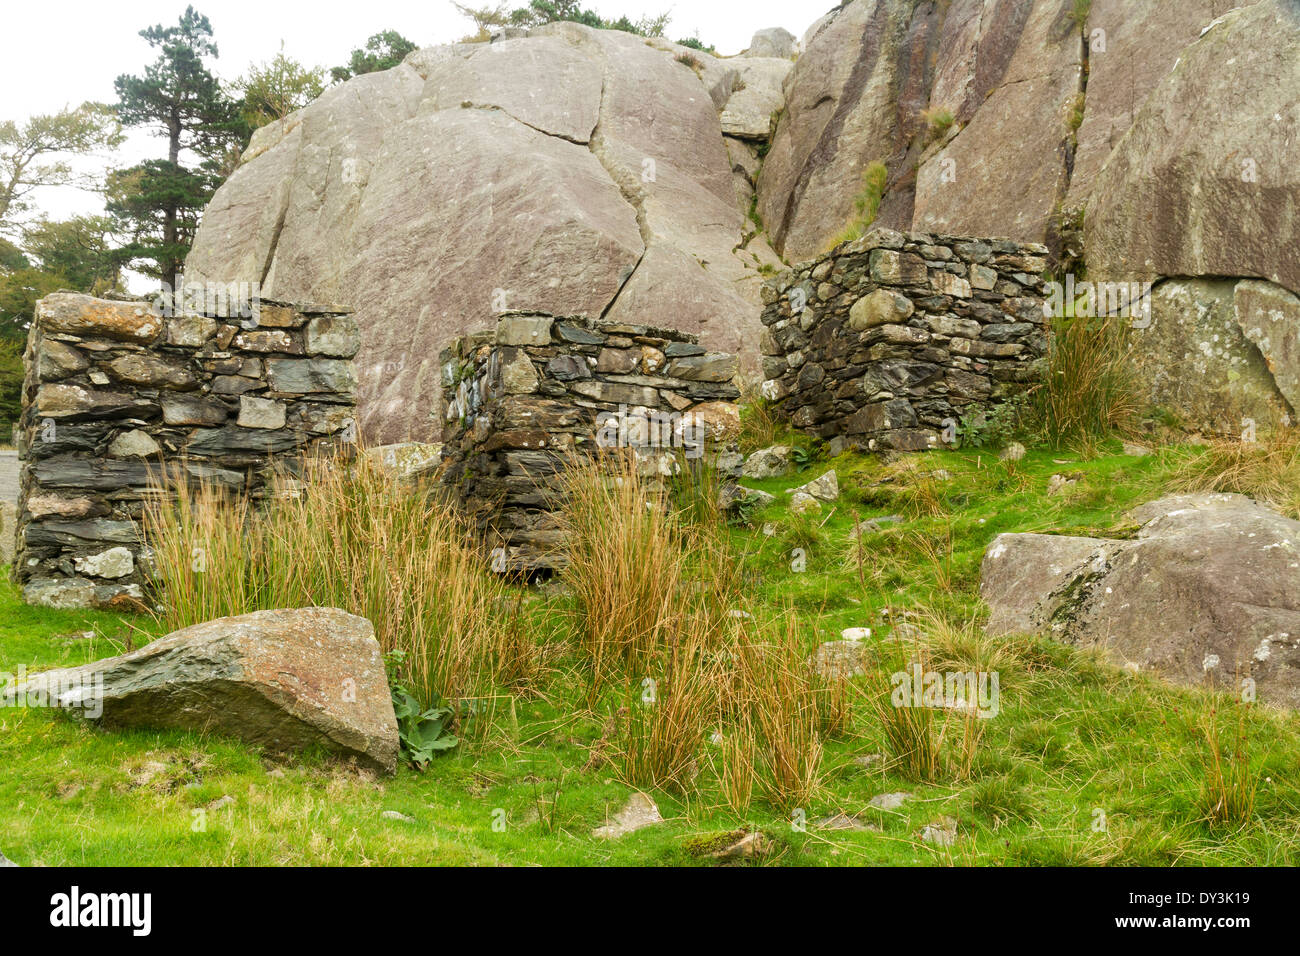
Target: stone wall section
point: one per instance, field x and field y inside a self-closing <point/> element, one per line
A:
<point x="884" y="341"/>
<point x="524" y="397"/>
<point x="118" y="394"/>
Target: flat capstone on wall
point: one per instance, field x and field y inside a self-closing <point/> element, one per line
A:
<point x="525" y="397"/>
<point x="893" y="341"/>
<point x="119" y="394"/>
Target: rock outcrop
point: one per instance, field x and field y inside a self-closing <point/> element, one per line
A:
<point x="572" y="171"/>
<point x="286" y="680"/>
<point x="584" y="172"/>
<point x="1143" y="140"/>
<point x="1207" y="592"/>
<point x="992" y="116"/>
<point x="1218" y="353"/>
<point x="1206" y="180"/>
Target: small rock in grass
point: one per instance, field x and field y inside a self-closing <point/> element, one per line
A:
<point x="941" y="832"/>
<point x="732" y="495"/>
<point x="772" y="462"/>
<point x="748" y="846"/>
<point x="825" y="488"/>
<point x="1013" y="452"/>
<point x="804" y="503"/>
<point x="1136" y="450"/>
<point x="394" y="815"/>
<point x="843" y="821"/>
<point x="1058" y="483"/>
<point x="855" y="633"/>
<point x="639" y="811"/>
<point x="873" y="525"/>
<point x="839" y="660"/>
<point x="5" y="861"/>
<point x="889" y="801"/>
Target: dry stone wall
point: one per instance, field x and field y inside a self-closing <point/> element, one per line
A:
<point x="893" y="340"/>
<point x="118" y="393"/>
<point x="524" y="397"/>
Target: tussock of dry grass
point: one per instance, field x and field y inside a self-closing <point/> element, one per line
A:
<point x="347" y="535"/>
<point x="1267" y="470"/>
<point x="1092" y="386"/>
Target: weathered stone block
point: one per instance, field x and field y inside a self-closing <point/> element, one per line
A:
<point x="305" y="376"/>
<point x="257" y="412"/>
<point x="334" y="335"/>
<point x="881" y="307"/>
<point x="524" y="330"/>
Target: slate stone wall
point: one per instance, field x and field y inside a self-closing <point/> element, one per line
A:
<point x="116" y="392"/>
<point x="523" y="398"/>
<point x="891" y="340"/>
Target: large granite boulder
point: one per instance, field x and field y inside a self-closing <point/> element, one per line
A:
<point x="1143" y="112"/>
<point x="1132" y="45"/>
<point x="1206" y="181"/>
<point x="1014" y="71"/>
<point x="571" y="171"/>
<point x="855" y="95"/>
<point x="757" y="97"/>
<point x="1207" y="592"/>
<point x="285" y="680"/>
<point x="772" y="42"/>
<point x="1145" y="141"/>
<point x="1201" y="355"/>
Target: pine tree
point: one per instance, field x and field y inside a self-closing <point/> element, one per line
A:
<point x="158" y="202"/>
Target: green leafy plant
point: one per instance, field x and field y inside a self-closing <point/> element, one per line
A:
<point x="802" y="457"/>
<point x="997" y="426"/>
<point x="424" y="732"/>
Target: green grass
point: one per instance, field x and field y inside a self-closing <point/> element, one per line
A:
<point x="1075" y="737"/>
<point x="875" y="180"/>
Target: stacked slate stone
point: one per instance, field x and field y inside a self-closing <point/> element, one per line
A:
<point x="117" y="395"/>
<point x="522" y="399"/>
<point x="892" y="341"/>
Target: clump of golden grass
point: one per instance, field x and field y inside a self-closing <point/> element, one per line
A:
<point x="760" y="425"/>
<point x="933" y="743"/>
<point x="913" y="738"/>
<point x="1267" y="470"/>
<point x="1229" y="787"/>
<point x="658" y="608"/>
<point x="625" y="571"/>
<point x="1091" y="388"/>
<point x="667" y="722"/>
<point x="347" y="535"/>
<point x="787" y="707"/>
<point x="756" y="708"/>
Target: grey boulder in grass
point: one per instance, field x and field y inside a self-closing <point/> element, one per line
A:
<point x="1208" y="591"/>
<point x="286" y="680"/>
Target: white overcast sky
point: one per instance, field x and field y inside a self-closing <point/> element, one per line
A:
<point x="60" y="53"/>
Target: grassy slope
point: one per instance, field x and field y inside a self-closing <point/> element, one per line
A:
<point x="1073" y="735"/>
